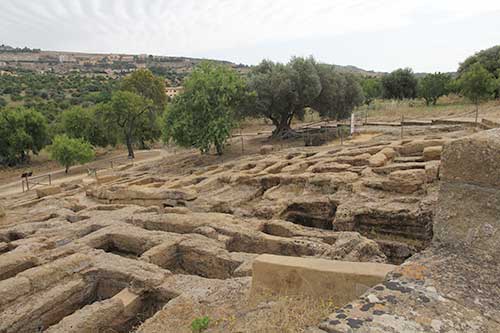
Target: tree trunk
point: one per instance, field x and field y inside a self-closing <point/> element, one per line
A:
<point x="283" y="128"/>
<point x="129" y="146"/>
<point x="67" y="169"/>
<point x="218" y="148"/>
<point x="477" y="112"/>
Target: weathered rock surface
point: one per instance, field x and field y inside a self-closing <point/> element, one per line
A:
<point x="148" y="249"/>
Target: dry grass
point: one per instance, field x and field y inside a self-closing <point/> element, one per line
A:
<point x="447" y="107"/>
<point x="269" y="314"/>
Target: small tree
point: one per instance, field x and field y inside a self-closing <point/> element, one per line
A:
<point x="68" y="152"/>
<point x="372" y="89"/>
<point x="127" y="110"/>
<point x="477" y="84"/>
<point x="433" y="86"/>
<point x="400" y="84"/>
<point x="204" y="115"/>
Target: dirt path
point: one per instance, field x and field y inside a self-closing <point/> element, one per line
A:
<point x="13" y="186"/>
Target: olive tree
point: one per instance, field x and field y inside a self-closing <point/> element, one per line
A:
<point x="433" y="86"/>
<point x="283" y="91"/>
<point x="340" y="93"/>
<point x="205" y="113"/>
<point x="400" y="84"/>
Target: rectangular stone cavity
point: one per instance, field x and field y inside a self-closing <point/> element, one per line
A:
<point x="41" y="310"/>
<point x="122" y="313"/>
<point x="340" y="281"/>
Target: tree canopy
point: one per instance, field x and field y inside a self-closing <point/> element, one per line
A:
<point x="433" y="86"/>
<point x="21" y="131"/>
<point x="88" y="124"/>
<point x="477" y="84"/>
<point x="283" y="91"/>
<point x="372" y="89"/>
<point x="143" y="83"/>
<point x="205" y="113"/>
<point x="127" y="111"/>
<point x="489" y="59"/>
<point x="68" y="151"/>
<point x="340" y="93"/>
<point x="400" y="84"/>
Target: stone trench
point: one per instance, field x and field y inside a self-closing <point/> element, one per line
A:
<point x="110" y="253"/>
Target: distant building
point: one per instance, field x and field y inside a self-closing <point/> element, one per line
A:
<point x="173" y="91"/>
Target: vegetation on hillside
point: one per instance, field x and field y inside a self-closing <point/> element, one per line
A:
<point x="37" y="108"/>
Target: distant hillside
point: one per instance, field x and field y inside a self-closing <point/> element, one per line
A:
<point x="174" y="69"/>
<point x="357" y="70"/>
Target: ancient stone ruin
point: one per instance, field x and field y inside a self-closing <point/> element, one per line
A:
<point x="133" y="249"/>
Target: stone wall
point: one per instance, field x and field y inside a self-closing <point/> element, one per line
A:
<point x="468" y="212"/>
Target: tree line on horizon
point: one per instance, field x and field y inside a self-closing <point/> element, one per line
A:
<point x="216" y="98"/>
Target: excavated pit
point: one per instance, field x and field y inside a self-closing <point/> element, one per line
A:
<point x="314" y="214"/>
<point x="278" y="205"/>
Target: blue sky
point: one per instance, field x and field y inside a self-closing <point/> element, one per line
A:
<point x="427" y="35"/>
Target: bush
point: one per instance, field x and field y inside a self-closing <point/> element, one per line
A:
<point x="200" y="324"/>
<point x="68" y="152"/>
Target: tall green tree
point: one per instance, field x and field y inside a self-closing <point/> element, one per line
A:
<point x="205" y="113"/>
<point x="400" y="84"/>
<point x="127" y="110"/>
<point x="477" y="84"/>
<point x="283" y="91"/>
<point x="21" y="131"/>
<point x="68" y="151"/>
<point x="340" y="93"/>
<point x="145" y="84"/>
<point x="433" y="86"/>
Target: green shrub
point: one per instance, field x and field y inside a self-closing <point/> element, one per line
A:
<point x="200" y="324"/>
<point x="68" y="151"/>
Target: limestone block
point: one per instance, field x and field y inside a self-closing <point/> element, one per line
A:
<point x="390" y="153"/>
<point x="432" y="171"/>
<point x="47" y="190"/>
<point x="432" y="153"/>
<point x="14" y="262"/>
<point x="474" y="159"/>
<point x="468" y="210"/>
<point x="92" y="318"/>
<point x="357" y="160"/>
<point x="266" y="149"/>
<point x="416" y="147"/>
<point x="341" y="281"/>
<point x="378" y="160"/>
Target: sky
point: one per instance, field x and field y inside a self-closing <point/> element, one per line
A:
<point x="381" y="35"/>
